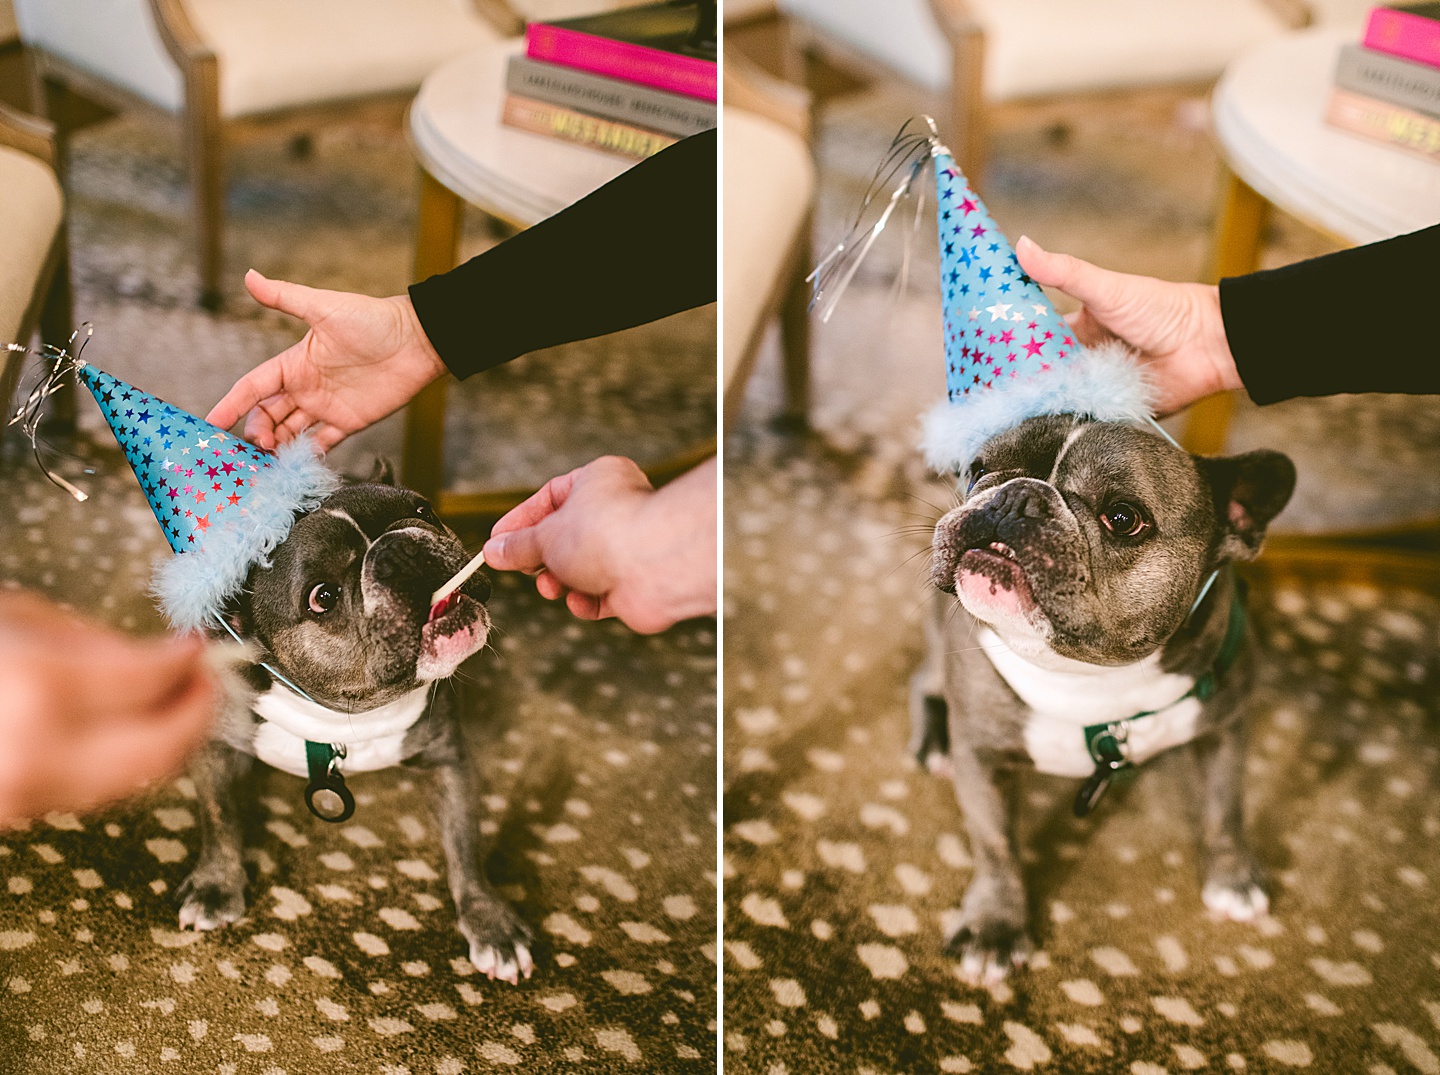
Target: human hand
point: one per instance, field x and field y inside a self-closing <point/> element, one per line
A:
<point x="363" y="358"/>
<point x="88" y="715"/>
<point x="612" y="545"/>
<point x="1176" y="328"/>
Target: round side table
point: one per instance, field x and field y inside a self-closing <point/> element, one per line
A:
<point x="468" y="157"/>
<point x="1268" y="113"/>
<point x="1278" y="152"/>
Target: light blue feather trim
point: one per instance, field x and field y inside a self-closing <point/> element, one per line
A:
<point x="1104" y="382"/>
<point x="194" y="586"/>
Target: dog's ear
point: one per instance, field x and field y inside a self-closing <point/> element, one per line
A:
<point x="1249" y="490"/>
<point x="382" y="473"/>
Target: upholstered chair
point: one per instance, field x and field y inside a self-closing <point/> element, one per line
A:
<point x="986" y="51"/>
<point x="769" y="194"/>
<point x="215" y="63"/>
<point x="34" y="273"/>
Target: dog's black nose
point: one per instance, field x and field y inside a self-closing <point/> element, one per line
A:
<point x="1016" y="501"/>
<point x="477" y="586"/>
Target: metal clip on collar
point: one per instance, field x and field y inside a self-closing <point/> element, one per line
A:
<point x="326" y="795"/>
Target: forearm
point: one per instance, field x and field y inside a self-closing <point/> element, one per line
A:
<point x="1359" y="320"/>
<point x="680" y="565"/>
<point x="640" y="248"/>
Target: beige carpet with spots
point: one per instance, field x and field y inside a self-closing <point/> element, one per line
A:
<point x="599" y="745"/>
<point x="843" y="863"/>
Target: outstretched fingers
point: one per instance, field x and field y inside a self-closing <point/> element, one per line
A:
<point x="264" y="381"/>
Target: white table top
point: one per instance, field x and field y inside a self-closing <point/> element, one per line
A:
<point x="1269" y="117"/>
<point x="457" y="136"/>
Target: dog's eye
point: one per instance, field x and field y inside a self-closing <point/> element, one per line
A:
<point x="1125" y="519"/>
<point x="426" y="512"/>
<point x="977" y="471"/>
<point x="323" y="598"/>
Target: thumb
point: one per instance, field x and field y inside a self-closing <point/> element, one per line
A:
<point x="1092" y="285"/>
<point x="297" y="300"/>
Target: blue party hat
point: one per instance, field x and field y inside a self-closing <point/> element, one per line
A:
<point x="1008" y="354"/>
<point x="223" y="504"/>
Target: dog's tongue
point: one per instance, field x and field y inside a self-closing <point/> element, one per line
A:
<point x="443" y="599"/>
<point x="442" y="606"/>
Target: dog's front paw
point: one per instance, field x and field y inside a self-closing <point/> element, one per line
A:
<point x="209" y="900"/>
<point x="1235" y="889"/>
<point x="499" y="941"/>
<point x="989" y="948"/>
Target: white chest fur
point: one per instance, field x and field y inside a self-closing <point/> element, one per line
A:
<point x="1065" y="696"/>
<point x="373" y="739"/>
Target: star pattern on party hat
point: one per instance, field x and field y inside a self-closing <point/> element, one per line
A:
<point x="1009" y="355"/>
<point x="192" y="473"/>
<point x="999" y="325"/>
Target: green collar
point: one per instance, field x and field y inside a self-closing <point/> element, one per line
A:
<point x="1106" y="741"/>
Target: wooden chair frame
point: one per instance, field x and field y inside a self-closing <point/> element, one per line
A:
<point x="967" y="118"/>
<point x="749" y="88"/>
<point x="204" y="129"/>
<point x="965" y="123"/>
<point x="50" y="303"/>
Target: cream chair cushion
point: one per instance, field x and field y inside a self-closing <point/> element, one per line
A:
<point x="550" y="10"/>
<point x="769" y="185"/>
<point x="273" y="54"/>
<point x="30" y="212"/>
<point x="1041" y="47"/>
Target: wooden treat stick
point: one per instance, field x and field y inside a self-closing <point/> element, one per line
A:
<point x="459" y="579"/>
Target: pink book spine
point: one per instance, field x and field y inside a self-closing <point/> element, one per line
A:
<point x="1400" y="33"/>
<point x="687" y="75"/>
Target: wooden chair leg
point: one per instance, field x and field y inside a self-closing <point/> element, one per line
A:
<point x="437" y="247"/>
<point x="205" y="147"/>
<point x="57" y="322"/>
<point x="967" y="104"/>
<point x="1240" y="219"/>
<point x="795" y="334"/>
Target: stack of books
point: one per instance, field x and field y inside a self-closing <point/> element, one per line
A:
<point x="629" y="82"/>
<point x="1388" y="87"/>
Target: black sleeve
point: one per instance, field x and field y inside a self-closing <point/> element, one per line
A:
<point x="1361" y="320"/>
<point x="640" y="248"/>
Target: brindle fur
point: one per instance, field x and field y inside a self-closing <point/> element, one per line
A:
<point x="1104" y="603"/>
<point x="350" y="663"/>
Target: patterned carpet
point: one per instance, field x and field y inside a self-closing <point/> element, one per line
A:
<point x="600" y="745"/>
<point x="843" y="861"/>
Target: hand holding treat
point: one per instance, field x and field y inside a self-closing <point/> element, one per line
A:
<point x="612" y="545"/>
<point x="88" y="715"/>
<point x="363" y="359"/>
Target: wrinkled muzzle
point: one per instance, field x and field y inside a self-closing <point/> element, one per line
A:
<point x="402" y="569"/>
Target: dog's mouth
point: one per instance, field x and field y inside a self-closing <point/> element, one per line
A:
<point x="456" y="627"/>
<point x="443" y="606"/>
<point x="451" y="614"/>
<point x="993" y="575"/>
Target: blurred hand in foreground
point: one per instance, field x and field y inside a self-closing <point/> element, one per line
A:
<point x="88" y="715"/>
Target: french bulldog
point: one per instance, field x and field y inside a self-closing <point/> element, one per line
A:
<point x="342" y="611"/>
<point x="1073" y="594"/>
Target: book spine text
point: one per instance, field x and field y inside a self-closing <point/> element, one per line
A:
<point x="666" y="71"/>
<point x="539" y="117"/>
<point x="1389" y="78"/>
<point x="1385" y="122"/>
<point x="624" y="102"/>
